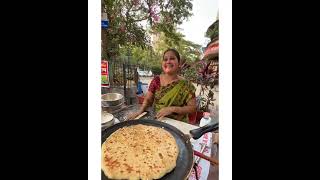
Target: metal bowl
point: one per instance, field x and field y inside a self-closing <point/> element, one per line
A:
<point x="107" y="119"/>
<point x="111" y="99"/>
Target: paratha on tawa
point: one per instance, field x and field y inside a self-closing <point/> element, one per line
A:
<point x="139" y="152"/>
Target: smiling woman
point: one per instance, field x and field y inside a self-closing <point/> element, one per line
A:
<point x="171" y="95"/>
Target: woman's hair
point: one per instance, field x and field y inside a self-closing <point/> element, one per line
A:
<point x="176" y="53"/>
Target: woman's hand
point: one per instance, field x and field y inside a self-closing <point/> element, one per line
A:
<point x="164" y="112"/>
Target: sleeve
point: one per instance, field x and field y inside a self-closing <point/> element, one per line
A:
<point x="155" y="84"/>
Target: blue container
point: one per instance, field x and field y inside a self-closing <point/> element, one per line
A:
<point x="139" y="88"/>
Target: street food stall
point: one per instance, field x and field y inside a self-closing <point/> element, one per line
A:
<point x="198" y="156"/>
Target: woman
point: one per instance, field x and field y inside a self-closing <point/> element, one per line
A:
<point x="172" y="96"/>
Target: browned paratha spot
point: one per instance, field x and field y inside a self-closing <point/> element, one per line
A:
<point x="106" y="159"/>
<point x="129" y="168"/>
<point x="160" y="155"/>
<point x="113" y="164"/>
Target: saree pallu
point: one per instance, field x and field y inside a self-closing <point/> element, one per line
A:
<point x="177" y="93"/>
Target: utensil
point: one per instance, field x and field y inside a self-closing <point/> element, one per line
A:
<point x="185" y="159"/>
<point x="107" y="119"/>
<point x="197" y="133"/>
<point x="141" y="115"/>
<point x="111" y="99"/>
<point x="212" y="160"/>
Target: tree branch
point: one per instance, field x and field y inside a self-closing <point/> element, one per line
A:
<point x="167" y="5"/>
<point x="144" y="18"/>
<point x="127" y="13"/>
<point x="138" y="8"/>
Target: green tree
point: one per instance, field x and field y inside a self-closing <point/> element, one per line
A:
<point x="213" y="30"/>
<point x="151" y="57"/>
<point x="144" y="58"/>
<point x="187" y="49"/>
<point x="125" y="17"/>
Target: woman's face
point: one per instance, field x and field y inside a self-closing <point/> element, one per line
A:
<point x="170" y="64"/>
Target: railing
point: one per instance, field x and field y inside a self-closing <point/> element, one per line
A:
<point x="123" y="76"/>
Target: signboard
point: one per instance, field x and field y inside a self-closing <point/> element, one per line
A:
<point x="105" y="74"/>
<point x="104" y="20"/>
<point x="104" y="24"/>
